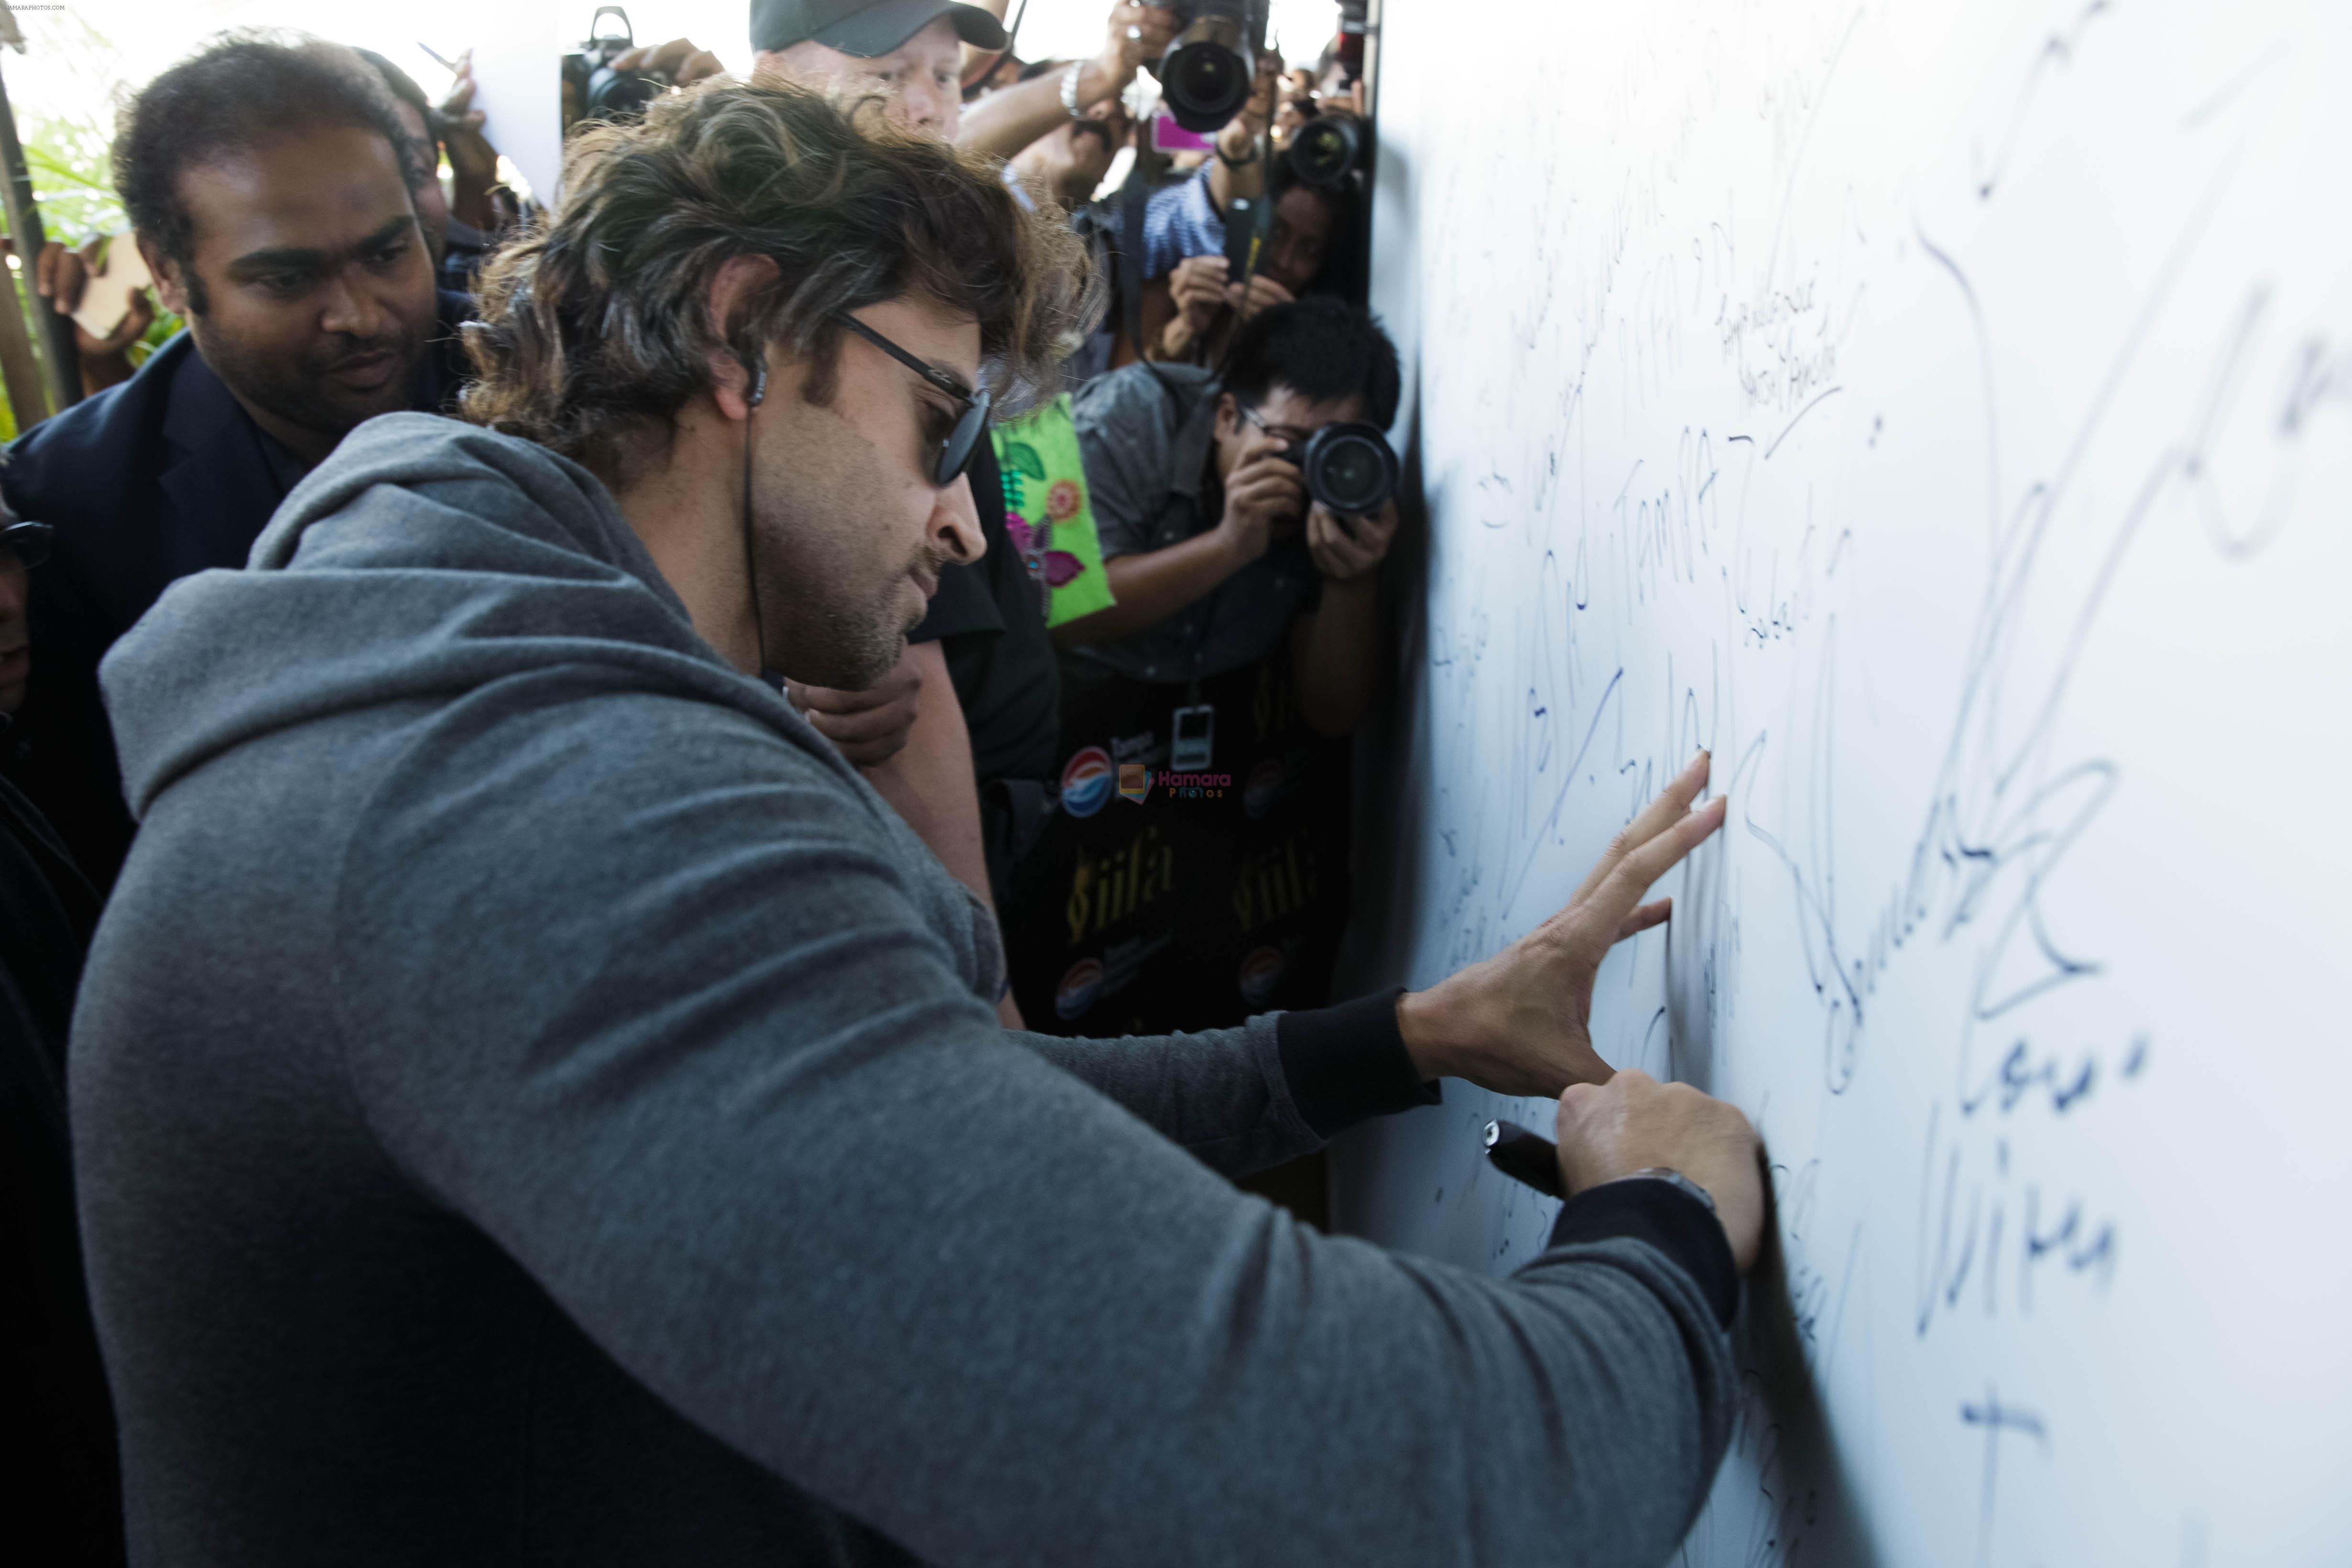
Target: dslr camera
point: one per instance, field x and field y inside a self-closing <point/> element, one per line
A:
<point x="1350" y="469"/>
<point x="592" y="90"/>
<point x="1326" y="150"/>
<point x="1206" y="74"/>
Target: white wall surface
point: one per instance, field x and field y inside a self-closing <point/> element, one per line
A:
<point x="1944" y="414"/>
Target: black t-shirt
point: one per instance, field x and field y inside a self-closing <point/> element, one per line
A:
<point x="991" y="626"/>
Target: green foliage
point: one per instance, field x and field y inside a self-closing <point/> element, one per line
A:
<point x="65" y="118"/>
<point x="67" y="151"/>
<point x="73" y="179"/>
<point x="157" y="334"/>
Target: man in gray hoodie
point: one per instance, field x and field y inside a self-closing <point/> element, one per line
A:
<point x="534" y="1102"/>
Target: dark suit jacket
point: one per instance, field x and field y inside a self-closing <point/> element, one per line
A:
<point x="146" y="482"/>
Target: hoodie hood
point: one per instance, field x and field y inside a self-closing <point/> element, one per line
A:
<point x="424" y="559"/>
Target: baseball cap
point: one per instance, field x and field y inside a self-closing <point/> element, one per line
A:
<point x="866" y="27"/>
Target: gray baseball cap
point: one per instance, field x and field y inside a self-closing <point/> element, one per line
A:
<point x="865" y="28"/>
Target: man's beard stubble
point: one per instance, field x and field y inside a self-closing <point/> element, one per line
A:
<point x="304" y="395"/>
<point x="846" y="642"/>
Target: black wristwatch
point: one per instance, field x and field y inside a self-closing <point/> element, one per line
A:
<point x="1238" y="163"/>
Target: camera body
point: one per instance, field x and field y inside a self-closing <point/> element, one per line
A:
<point x="1349" y="469"/>
<point x="592" y="90"/>
<point x="1206" y="74"/>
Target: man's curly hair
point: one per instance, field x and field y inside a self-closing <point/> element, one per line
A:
<point x="595" y="327"/>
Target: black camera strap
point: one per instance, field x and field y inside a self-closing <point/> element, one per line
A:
<point x="1131" y="198"/>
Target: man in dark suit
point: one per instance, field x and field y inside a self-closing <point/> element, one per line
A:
<point x="271" y="188"/>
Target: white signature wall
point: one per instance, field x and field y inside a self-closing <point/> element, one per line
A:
<point x="1944" y="414"/>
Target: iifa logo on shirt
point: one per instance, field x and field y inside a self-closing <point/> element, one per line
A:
<point x="1107" y="888"/>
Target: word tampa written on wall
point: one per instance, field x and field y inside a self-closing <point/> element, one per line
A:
<point x="1943" y="414"/>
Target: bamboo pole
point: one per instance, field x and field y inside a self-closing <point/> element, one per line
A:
<point x="60" y="356"/>
<point x="20" y="369"/>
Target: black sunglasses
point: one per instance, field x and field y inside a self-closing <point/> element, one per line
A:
<point x="955" y="454"/>
<point x="29" y="542"/>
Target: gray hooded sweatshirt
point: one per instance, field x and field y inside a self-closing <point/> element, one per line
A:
<point x="535" y="1103"/>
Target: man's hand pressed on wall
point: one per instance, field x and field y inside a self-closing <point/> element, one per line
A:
<point x="1517" y="1023"/>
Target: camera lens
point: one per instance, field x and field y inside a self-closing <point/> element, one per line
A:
<point x="1205" y="74"/>
<point x="1350" y="469"/>
<point x="1323" y="152"/>
<point x="1351" y="475"/>
<point x="1207" y="71"/>
<point x="1206" y="86"/>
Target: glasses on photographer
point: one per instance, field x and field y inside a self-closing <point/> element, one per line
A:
<point x="26" y="544"/>
<point x="955" y="452"/>
<point x="1289" y="432"/>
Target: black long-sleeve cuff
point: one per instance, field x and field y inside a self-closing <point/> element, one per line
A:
<point x="1669" y="1220"/>
<point x="1346" y="1064"/>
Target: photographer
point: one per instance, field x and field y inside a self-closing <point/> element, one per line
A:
<point x="1213" y="552"/>
<point x="616" y="1159"/>
<point x="1189" y="318"/>
<point x="1188" y="217"/>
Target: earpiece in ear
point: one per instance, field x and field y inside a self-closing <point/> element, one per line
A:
<point x="759" y="383"/>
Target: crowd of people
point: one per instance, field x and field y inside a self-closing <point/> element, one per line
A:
<point x="576" y="720"/>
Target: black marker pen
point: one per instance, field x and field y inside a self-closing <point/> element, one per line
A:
<point x="1524" y="1157"/>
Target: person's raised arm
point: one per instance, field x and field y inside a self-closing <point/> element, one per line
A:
<point x="1007" y="121"/>
<point x="473" y="162"/>
<point x="1239" y="168"/>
